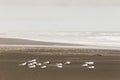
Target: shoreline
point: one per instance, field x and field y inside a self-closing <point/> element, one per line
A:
<point x="61" y="46"/>
<point x="58" y="50"/>
<point x="11" y="45"/>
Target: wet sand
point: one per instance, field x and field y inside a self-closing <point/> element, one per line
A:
<point x="16" y="41"/>
<point x="107" y="61"/>
<point x="107" y="64"/>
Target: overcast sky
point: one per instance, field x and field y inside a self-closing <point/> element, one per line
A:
<point x="59" y="15"/>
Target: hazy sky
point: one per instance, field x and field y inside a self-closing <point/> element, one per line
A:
<point x="59" y="15"/>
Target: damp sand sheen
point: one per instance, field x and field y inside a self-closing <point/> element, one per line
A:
<point x="58" y="63"/>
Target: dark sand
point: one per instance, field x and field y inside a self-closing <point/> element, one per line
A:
<point x="107" y="67"/>
<point x="15" y="41"/>
<point x="107" y="64"/>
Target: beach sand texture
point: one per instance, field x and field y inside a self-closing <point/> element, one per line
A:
<point x="107" y="63"/>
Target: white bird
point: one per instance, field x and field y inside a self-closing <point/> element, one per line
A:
<point x="59" y="66"/>
<point x="43" y="67"/>
<point x="46" y="62"/>
<point x="33" y="60"/>
<point x="91" y="67"/>
<point x="32" y="66"/>
<point x="67" y="62"/>
<point x="39" y="64"/>
<point x="23" y="64"/>
<point x="34" y="63"/>
<point x="84" y="65"/>
<point x="90" y="63"/>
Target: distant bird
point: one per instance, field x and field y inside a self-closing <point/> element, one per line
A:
<point x="33" y="60"/>
<point x="67" y="62"/>
<point x="91" y="67"/>
<point x="23" y="64"/>
<point x="39" y="64"/>
<point x="31" y="66"/>
<point x="34" y="63"/>
<point x="46" y="62"/>
<point x="89" y="63"/>
<point x="43" y="67"/>
<point x="84" y="65"/>
<point x="59" y="64"/>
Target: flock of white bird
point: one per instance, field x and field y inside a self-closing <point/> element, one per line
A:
<point x="33" y="64"/>
<point x="89" y="65"/>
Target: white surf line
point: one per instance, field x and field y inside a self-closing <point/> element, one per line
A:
<point x="58" y="46"/>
